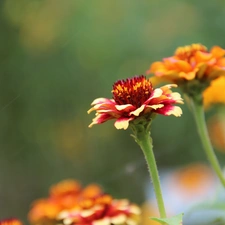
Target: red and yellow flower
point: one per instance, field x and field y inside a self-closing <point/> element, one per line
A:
<point x="64" y="195"/>
<point x="103" y="210"/>
<point x="133" y="98"/>
<point x="11" y="221"/>
<point x="69" y="203"/>
<point x="189" y="63"/>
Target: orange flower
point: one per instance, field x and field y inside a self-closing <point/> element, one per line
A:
<point x="191" y="179"/>
<point x="44" y="211"/>
<point x="102" y="211"/>
<point x="65" y="187"/>
<point x="133" y="98"/>
<point x="189" y="63"/>
<point x="66" y="194"/>
<point x="215" y="93"/>
<point x="12" y="221"/>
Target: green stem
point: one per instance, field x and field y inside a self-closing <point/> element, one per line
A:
<point x="198" y="111"/>
<point x="145" y="142"/>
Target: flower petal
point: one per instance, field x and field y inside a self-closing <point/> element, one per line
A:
<point x="217" y="52"/>
<point x="102" y="100"/>
<point x="138" y="111"/>
<point x="101" y="118"/>
<point x="102" y="103"/>
<point x="170" y="110"/>
<point x="126" y="107"/>
<point x="122" y="123"/>
<point x="155" y="106"/>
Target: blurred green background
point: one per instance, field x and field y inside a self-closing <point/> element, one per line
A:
<point x="55" y="58"/>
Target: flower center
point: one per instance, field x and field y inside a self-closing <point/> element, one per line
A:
<point x="134" y="91"/>
<point x="188" y="51"/>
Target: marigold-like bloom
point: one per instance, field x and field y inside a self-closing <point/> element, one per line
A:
<point x="11" y="221"/>
<point x="133" y="98"/>
<point x="65" y="187"/>
<point x="44" y="211"/>
<point x="189" y="63"/>
<point x="102" y="211"/>
<point x="65" y="195"/>
<point x="215" y="93"/>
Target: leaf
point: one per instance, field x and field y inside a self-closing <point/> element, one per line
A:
<point x="175" y="220"/>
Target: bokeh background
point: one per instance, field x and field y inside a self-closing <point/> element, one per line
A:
<point x="55" y="58"/>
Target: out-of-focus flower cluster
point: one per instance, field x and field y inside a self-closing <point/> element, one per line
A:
<point x="11" y="221"/>
<point x="191" y="62"/>
<point x="69" y="203"/>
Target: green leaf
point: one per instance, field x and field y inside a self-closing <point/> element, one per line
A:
<point x="175" y="220"/>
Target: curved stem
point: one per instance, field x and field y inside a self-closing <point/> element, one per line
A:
<point x="145" y="143"/>
<point x="198" y="111"/>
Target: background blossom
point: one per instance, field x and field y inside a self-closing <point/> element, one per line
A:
<point x="11" y="221"/>
<point x="69" y="203"/>
<point x="64" y="195"/>
<point x="191" y="62"/>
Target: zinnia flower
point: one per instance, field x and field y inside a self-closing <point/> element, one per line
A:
<point x="133" y="98"/>
<point x="64" y="195"/>
<point x="215" y="93"/>
<point x="102" y="211"/>
<point x="11" y="221"/>
<point x="191" y="62"/>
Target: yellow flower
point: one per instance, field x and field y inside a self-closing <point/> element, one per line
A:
<point x="215" y="93"/>
<point x="134" y="98"/>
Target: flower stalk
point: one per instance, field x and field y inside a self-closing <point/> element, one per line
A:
<point x="144" y="140"/>
<point x="198" y="111"/>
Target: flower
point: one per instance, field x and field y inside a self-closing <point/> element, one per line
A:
<point x="191" y="62"/>
<point x="64" y="195"/>
<point x="133" y="98"/>
<point x="103" y="210"/>
<point x="215" y="92"/>
<point x="69" y="203"/>
<point x="11" y="221"/>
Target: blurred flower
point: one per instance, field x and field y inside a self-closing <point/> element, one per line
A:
<point x="64" y="195"/>
<point x="133" y="98"/>
<point x="184" y="187"/>
<point x="11" y="221"/>
<point x="102" y="210"/>
<point x="191" y="62"/>
<point x="192" y="178"/>
<point x="69" y="203"/>
<point x="215" y="92"/>
<point x="65" y="187"/>
<point x="216" y="127"/>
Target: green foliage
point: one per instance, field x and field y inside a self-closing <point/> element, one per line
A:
<point x="175" y="220"/>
